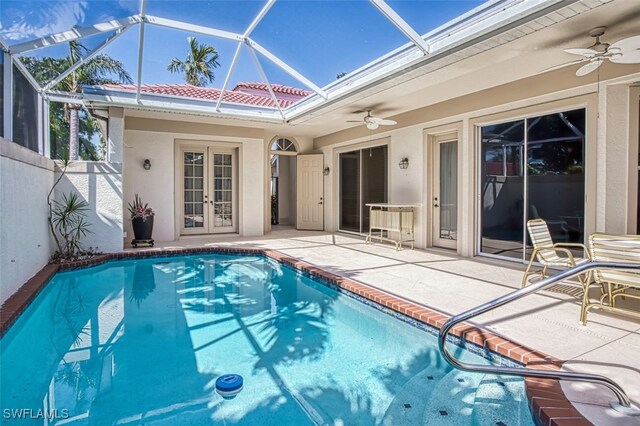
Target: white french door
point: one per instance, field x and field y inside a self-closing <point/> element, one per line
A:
<point x="209" y="188"/>
<point x="445" y="194"/>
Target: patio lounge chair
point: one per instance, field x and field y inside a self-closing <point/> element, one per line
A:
<point x="549" y="254"/>
<point x="613" y="248"/>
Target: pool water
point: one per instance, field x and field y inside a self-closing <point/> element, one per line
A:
<point x="143" y="342"/>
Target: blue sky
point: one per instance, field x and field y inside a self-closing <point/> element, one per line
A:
<point x="318" y="38"/>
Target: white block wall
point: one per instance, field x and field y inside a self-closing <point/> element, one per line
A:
<point x="25" y="179"/>
<point x="100" y="184"/>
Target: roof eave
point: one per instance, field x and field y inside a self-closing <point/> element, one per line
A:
<point x="162" y="102"/>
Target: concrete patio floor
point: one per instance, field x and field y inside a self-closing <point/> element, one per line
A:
<point x="548" y="321"/>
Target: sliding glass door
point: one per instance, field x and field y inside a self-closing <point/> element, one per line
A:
<point x="363" y="180"/>
<point x="532" y="168"/>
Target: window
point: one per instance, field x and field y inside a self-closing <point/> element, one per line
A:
<point x="25" y="112"/>
<point x="363" y="180"/>
<point x="282" y="146"/>
<point x="532" y="168"/>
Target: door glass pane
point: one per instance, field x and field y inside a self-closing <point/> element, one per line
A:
<point x="222" y="190"/>
<point x="554" y="181"/>
<point x="363" y="180"/>
<point x="555" y="173"/>
<point x="502" y="189"/>
<point x="448" y="190"/>
<point x="193" y="165"/>
<point x="374" y="180"/>
<point x="350" y="191"/>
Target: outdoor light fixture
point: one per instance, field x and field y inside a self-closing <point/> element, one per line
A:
<point x="146" y="164"/>
<point x="326" y="171"/>
<point x="404" y="163"/>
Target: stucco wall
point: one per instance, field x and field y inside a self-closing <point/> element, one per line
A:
<point x="157" y="185"/>
<point x="100" y="184"/>
<point x="25" y="178"/>
<point x="610" y="144"/>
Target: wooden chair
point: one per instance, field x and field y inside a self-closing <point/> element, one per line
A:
<point x="613" y="248"/>
<point x="548" y="254"/>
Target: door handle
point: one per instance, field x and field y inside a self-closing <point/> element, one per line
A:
<point x="436" y="205"/>
<point x="436" y="202"/>
<point x="320" y="202"/>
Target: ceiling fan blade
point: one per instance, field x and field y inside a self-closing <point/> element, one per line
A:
<point x="627" y="44"/>
<point x="627" y="57"/>
<point x="566" y="64"/>
<point x="587" y="68"/>
<point x="582" y="52"/>
<point x="355" y="121"/>
<point x="387" y="122"/>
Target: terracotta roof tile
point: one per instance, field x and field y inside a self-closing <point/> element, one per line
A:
<point x="277" y="88"/>
<point x="232" y="96"/>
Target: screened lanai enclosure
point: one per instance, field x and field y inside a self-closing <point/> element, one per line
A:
<point x="494" y="122"/>
<point x="59" y="55"/>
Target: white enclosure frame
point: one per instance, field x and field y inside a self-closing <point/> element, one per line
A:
<point x="473" y="26"/>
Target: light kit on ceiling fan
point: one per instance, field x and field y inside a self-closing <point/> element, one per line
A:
<point x="625" y="51"/>
<point x="372" y="122"/>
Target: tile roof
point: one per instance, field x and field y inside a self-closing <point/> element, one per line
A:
<point x="232" y="96"/>
<point x="277" y="88"/>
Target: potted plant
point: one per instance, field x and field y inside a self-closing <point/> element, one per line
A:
<point x="141" y="220"/>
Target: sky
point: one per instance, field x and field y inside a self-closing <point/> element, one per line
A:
<point x="319" y="39"/>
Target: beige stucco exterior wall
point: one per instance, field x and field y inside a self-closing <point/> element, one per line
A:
<point x="155" y="139"/>
<point x="610" y="157"/>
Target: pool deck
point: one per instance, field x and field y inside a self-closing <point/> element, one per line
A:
<point x="438" y="279"/>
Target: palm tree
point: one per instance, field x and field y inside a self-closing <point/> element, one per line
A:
<point x="98" y="70"/>
<point x="199" y="64"/>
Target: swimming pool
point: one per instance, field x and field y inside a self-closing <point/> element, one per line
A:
<point x="143" y="342"/>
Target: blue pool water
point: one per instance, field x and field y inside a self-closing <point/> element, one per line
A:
<point x="143" y="342"/>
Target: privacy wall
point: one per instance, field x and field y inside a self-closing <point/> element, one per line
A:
<point x="26" y="178"/>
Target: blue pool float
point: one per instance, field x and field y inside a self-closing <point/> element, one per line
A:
<point x="229" y="385"/>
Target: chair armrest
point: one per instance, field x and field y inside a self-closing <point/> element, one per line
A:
<point x="565" y="251"/>
<point x="582" y="246"/>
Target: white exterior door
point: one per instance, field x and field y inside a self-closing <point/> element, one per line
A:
<point x="209" y="188"/>
<point x="310" y="192"/>
<point x="445" y="194"/>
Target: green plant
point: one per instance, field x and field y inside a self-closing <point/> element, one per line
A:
<point x="68" y="220"/>
<point x="140" y="210"/>
<point x="72" y="121"/>
<point x="199" y="65"/>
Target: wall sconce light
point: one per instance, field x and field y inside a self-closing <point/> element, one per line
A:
<point x="146" y="164"/>
<point x="404" y="163"/>
<point x="326" y="171"/>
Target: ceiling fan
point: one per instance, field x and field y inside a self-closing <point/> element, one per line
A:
<point x="625" y="51"/>
<point x="372" y="122"/>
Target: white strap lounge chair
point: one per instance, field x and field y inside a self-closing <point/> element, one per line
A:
<point x="548" y="254"/>
<point x="613" y="248"/>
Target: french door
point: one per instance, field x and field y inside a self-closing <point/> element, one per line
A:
<point x="209" y="188"/>
<point x="445" y="194"/>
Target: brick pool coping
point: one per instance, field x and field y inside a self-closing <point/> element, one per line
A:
<point x="547" y="401"/>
